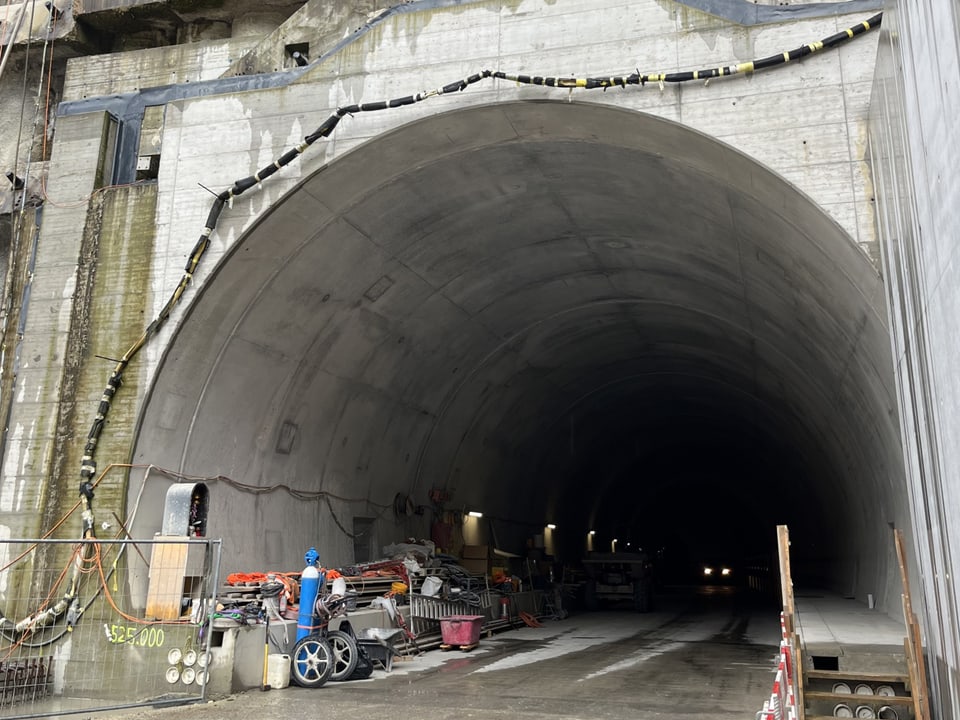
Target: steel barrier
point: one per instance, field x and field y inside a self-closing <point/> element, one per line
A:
<point x="95" y="625"/>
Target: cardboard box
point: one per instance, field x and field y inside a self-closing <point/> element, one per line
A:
<point x="475" y="566"/>
<point x="474" y="552"/>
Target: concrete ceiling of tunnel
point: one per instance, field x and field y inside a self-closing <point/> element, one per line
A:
<point x="552" y="310"/>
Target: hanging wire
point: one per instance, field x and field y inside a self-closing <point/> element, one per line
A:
<point x="16" y="633"/>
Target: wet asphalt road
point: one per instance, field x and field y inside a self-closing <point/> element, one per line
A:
<point x="701" y="654"/>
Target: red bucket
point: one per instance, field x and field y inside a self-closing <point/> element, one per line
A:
<point x="461" y="629"/>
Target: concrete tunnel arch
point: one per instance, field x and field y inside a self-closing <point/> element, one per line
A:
<point x="558" y="312"/>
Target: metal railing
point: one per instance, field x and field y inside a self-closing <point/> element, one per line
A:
<point x="97" y="625"/>
<point x="426" y="611"/>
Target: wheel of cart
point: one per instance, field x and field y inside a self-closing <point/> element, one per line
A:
<point x="345" y="654"/>
<point x="312" y="661"/>
<point x="364" y="668"/>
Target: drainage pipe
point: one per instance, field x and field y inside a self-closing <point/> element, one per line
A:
<point x="13" y="39"/>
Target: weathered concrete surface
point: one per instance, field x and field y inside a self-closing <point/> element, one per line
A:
<point x="914" y="152"/>
<point x="151" y="67"/>
<point x="318" y="26"/>
<point x="32" y="429"/>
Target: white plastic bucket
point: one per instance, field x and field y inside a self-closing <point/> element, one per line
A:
<point x="278" y="670"/>
<point x="431" y="586"/>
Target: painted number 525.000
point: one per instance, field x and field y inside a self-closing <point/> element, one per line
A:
<point x="142" y="636"/>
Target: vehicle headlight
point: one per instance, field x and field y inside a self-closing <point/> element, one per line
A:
<point x="708" y="571"/>
<point x="726" y="571"/>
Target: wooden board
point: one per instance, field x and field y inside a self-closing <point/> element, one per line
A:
<point x="833" y="697"/>
<point x="168" y="562"/>
<point x="856" y="675"/>
<point x="789" y="616"/>
<point x="786" y="581"/>
<point x="798" y="674"/>
<point x="912" y="644"/>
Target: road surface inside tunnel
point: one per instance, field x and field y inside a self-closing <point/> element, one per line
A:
<point x="706" y="651"/>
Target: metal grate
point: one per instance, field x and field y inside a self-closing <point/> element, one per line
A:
<point x="24" y="680"/>
<point x="104" y="624"/>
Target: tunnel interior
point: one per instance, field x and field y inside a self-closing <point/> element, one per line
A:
<point x="553" y="313"/>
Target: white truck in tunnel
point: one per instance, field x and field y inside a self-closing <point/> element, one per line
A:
<point x="614" y="579"/>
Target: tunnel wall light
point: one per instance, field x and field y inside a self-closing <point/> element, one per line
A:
<point x="592" y="532"/>
<point x="475" y="514"/>
<point x="551" y="526"/>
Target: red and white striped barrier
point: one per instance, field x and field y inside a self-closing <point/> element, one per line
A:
<point x="782" y="704"/>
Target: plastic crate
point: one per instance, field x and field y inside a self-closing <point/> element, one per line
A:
<point x="461" y="629"/>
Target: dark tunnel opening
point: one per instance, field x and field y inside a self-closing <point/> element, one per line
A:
<point x="686" y="474"/>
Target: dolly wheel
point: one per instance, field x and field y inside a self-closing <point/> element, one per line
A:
<point x="312" y="662"/>
<point x="345" y="654"/>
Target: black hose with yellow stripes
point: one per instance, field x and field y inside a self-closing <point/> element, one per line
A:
<point x="637" y="78"/>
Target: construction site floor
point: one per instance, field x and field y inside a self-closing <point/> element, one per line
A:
<point x="707" y="652"/>
<point x="703" y="652"/>
<point x="858" y="637"/>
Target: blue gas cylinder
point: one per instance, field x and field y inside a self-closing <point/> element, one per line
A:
<point x="310" y="582"/>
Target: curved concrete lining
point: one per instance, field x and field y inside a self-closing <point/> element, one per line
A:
<point x="560" y="313"/>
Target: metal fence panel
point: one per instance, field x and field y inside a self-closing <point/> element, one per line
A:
<point x="426" y="612"/>
<point x="78" y="632"/>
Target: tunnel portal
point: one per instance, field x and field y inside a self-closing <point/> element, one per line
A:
<point x="556" y="313"/>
